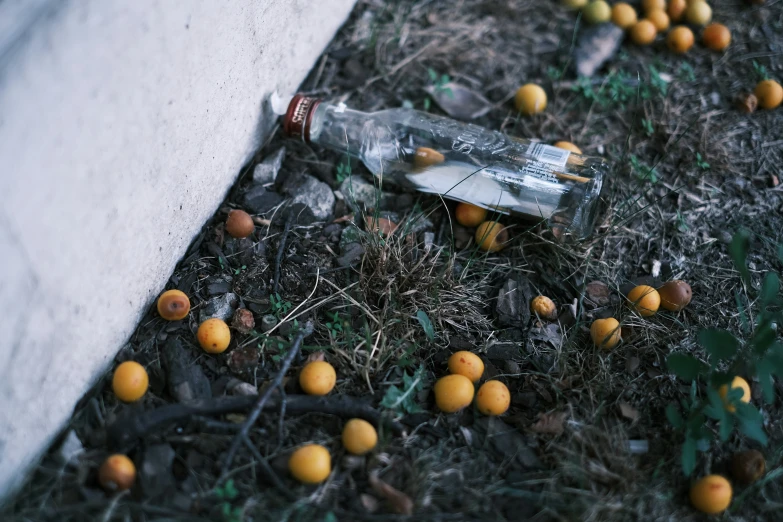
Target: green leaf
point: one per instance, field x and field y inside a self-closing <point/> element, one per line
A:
<point x="769" y="288"/>
<point x="426" y="324"/>
<point x="403" y="400"/>
<point x="764" y="373"/>
<point x="780" y="252"/>
<point x="684" y="366"/>
<point x="715" y="408"/>
<point x="718" y="343"/>
<point x="763" y="337"/>
<point x="673" y="415"/>
<point x="688" y="456"/>
<point x="751" y="422"/>
<point x="738" y="249"/>
<point x="775" y="359"/>
<point x="726" y="427"/>
<point x="330" y="517"/>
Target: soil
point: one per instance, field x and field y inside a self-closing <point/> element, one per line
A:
<point x="587" y="435"/>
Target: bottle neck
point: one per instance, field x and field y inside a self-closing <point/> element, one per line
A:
<point x="331" y="126"/>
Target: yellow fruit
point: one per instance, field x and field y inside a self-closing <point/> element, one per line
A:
<point x="675" y="295"/>
<point x="676" y="9"/>
<point x="359" y="436"/>
<point x="453" y="392"/>
<point x="530" y="99"/>
<point x="117" y="473"/>
<point x="567" y="145"/>
<point x="310" y="464"/>
<point x="623" y="15"/>
<point x="659" y="19"/>
<point x="469" y="215"/>
<point x="213" y="335"/>
<point x="748" y="466"/>
<point x="769" y="94"/>
<point x="574" y="4"/>
<point x="597" y="12"/>
<point x="491" y="236"/>
<point x="605" y="333"/>
<point x="130" y="381"/>
<point x="698" y="13"/>
<point x="738" y="382"/>
<point x="468" y="364"/>
<point x="493" y="398"/>
<point x="317" y="378"/>
<point x="716" y="37"/>
<point x="544" y="307"/>
<point x="653" y="5"/>
<point x="426" y="157"/>
<point x="680" y="39"/>
<point x="173" y="305"/>
<point x="239" y="224"/>
<point x="645" y="299"/>
<point x="643" y="32"/>
<point x="711" y="494"/>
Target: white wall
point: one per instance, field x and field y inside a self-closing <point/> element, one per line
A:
<point x="122" y="125"/>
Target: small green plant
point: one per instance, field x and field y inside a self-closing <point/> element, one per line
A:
<point x="335" y="326"/>
<point x="240" y="269"/>
<point x="701" y="163"/>
<point x="647" y="125"/>
<point x="658" y="85"/>
<point x="685" y="73"/>
<point x="279" y="307"/>
<point x="438" y="82"/>
<point x="403" y="400"/>
<point x="554" y="73"/>
<point x="343" y="170"/>
<point x="760" y="72"/>
<point x="228" y="492"/>
<point x="643" y="171"/>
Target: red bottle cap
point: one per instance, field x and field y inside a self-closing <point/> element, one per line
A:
<point x="298" y="116"/>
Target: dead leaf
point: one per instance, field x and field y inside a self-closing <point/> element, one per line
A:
<point x="551" y="423"/>
<point x="315" y="357"/>
<point x="459" y="102"/>
<point x="629" y="412"/>
<point x="343" y="219"/>
<point x="369" y="502"/>
<point x="598" y="293"/>
<point x="399" y="501"/>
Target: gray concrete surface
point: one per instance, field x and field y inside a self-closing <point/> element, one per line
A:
<point x="122" y="125"/>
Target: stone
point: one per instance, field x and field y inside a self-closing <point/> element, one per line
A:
<point x="512" y="306"/>
<point x="359" y="194"/>
<point x="596" y="45"/>
<point x="506" y="442"/>
<point x="314" y="194"/>
<point x="259" y="200"/>
<point x="266" y="171"/>
<point x="503" y="351"/>
<point x="350" y="235"/>
<point x="219" y="285"/>
<point x="185" y="378"/>
<point x="221" y="307"/>
<point x="351" y="254"/>
<point x="70" y="448"/>
<point x="156" y="477"/>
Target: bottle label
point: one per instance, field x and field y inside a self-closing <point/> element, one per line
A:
<point x="548" y="154"/>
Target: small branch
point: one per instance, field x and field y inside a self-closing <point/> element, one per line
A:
<point x="279" y="256"/>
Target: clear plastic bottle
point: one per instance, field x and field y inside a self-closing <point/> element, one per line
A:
<point x="459" y="160"/>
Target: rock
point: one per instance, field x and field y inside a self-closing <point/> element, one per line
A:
<point x="512" y="304"/>
<point x="243" y="360"/>
<point x="243" y="320"/>
<point x="403" y="202"/>
<point x="307" y="190"/>
<point x="351" y="254"/>
<point x="333" y="230"/>
<point x="596" y="45"/>
<point x="219" y="285"/>
<point x="506" y="442"/>
<point x="350" y="234"/>
<point x="266" y="171"/>
<point x="359" y="194"/>
<point x="300" y="214"/>
<point x="259" y="200"/>
<point x="221" y="307"/>
<point x="503" y="351"/>
<point x="70" y="447"/>
<point x="155" y="474"/>
<point x="462" y="236"/>
<point x="185" y="378"/>
<point x="429" y="240"/>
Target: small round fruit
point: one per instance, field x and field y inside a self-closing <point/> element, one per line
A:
<point x="359" y="437"/>
<point x="317" y="378"/>
<point x="643" y="32"/>
<point x="544" y="307"/>
<point x="698" y="13"/>
<point x="659" y="19"/>
<point x="567" y="145"/>
<point x="597" y="12"/>
<point x="469" y="215"/>
<point x="493" y="398"/>
<point x="623" y="15"/>
<point x="117" y="473"/>
<point x="130" y="381"/>
<point x="653" y="5"/>
<point x="173" y="305"/>
<point x="769" y="94"/>
<point x="310" y="464"/>
<point x="737" y="382"/>
<point x="574" y="4"/>
<point x="491" y="236"/>
<point x="239" y="224"/>
<point x="213" y="335"/>
<point x="675" y="295"/>
<point x="605" y="333"/>
<point x="468" y="364"/>
<point x="748" y="466"/>
<point x="711" y="494"/>
<point x="716" y="37"/>
<point x="676" y="9"/>
<point x="427" y="157"/>
<point x="453" y="392"/>
<point x="680" y="39"/>
<point x="645" y="299"/>
<point x="530" y="99"/>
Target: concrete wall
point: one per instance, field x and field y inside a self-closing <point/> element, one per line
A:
<point x="122" y="125"/>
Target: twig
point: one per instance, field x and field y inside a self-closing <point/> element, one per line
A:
<point x="280" y="252"/>
<point x="268" y="471"/>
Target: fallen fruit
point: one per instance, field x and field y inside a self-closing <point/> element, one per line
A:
<point x="213" y="335"/>
<point x="716" y="37"/>
<point x="239" y="224"/>
<point x="623" y="15"/>
<point x="643" y="32"/>
<point x="653" y="5"/>
<point x="530" y="99"/>
<point x="469" y="215"/>
<point x="675" y="295"/>
<point x="173" y="305"/>
<point x="737" y="382"/>
<point x="645" y="299"/>
<point x="466" y="363"/>
<point x="567" y="145"/>
<point x="698" y="12"/>
<point x="491" y="236"/>
<point x="130" y="381"/>
<point x="359" y="437"/>
<point x="659" y="19"/>
<point x="574" y="4"/>
<point x="748" y="466"/>
<point x="117" y="473"/>
<point x="711" y="494"/>
<point x="453" y="392"/>
<point x="493" y="398"/>
<point x="676" y="9"/>
<point x="597" y="12"/>
<point x="310" y="464"/>
<point x="605" y="333"/>
<point x="769" y="94"/>
<point x="317" y="378"/>
<point x="544" y="307"/>
<point x="426" y="157"/>
<point x="680" y="39"/>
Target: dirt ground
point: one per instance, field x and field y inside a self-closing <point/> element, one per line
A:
<point x="689" y="170"/>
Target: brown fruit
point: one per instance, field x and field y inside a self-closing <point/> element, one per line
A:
<point x="623" y="15"/>
<point x="676" y="9"/>
<point x="544" y="307"/>
<point x="243" y="321"/>
<point x="239" y="224"/>
<point x="645" y="299"/>
<point x="716" y="37"/>
<point x="675" y="295"/>
<point x="653" y="5"/>
<point x="748" y="466"/>
<point x="530" y="99"/>
<point x="605" y="333"/>
<point x="567" y="145"/>
<point x="469" y="215"/>
<point x="643" y="32"/>
<point x="491" y="236"/>
<point x="698" y="12"/>
<point x="117" y="473"/>
<point x="659" y="19"/>
<point x="680" y="39"/>
<point x="173" y="305"/>
<point x="769" y="94"/>
<point x="747" y="102"/>
<point x="426" y="157"/>
<point x="711" y="494"/>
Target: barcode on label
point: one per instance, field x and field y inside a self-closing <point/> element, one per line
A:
<point x="548" y="154"/>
